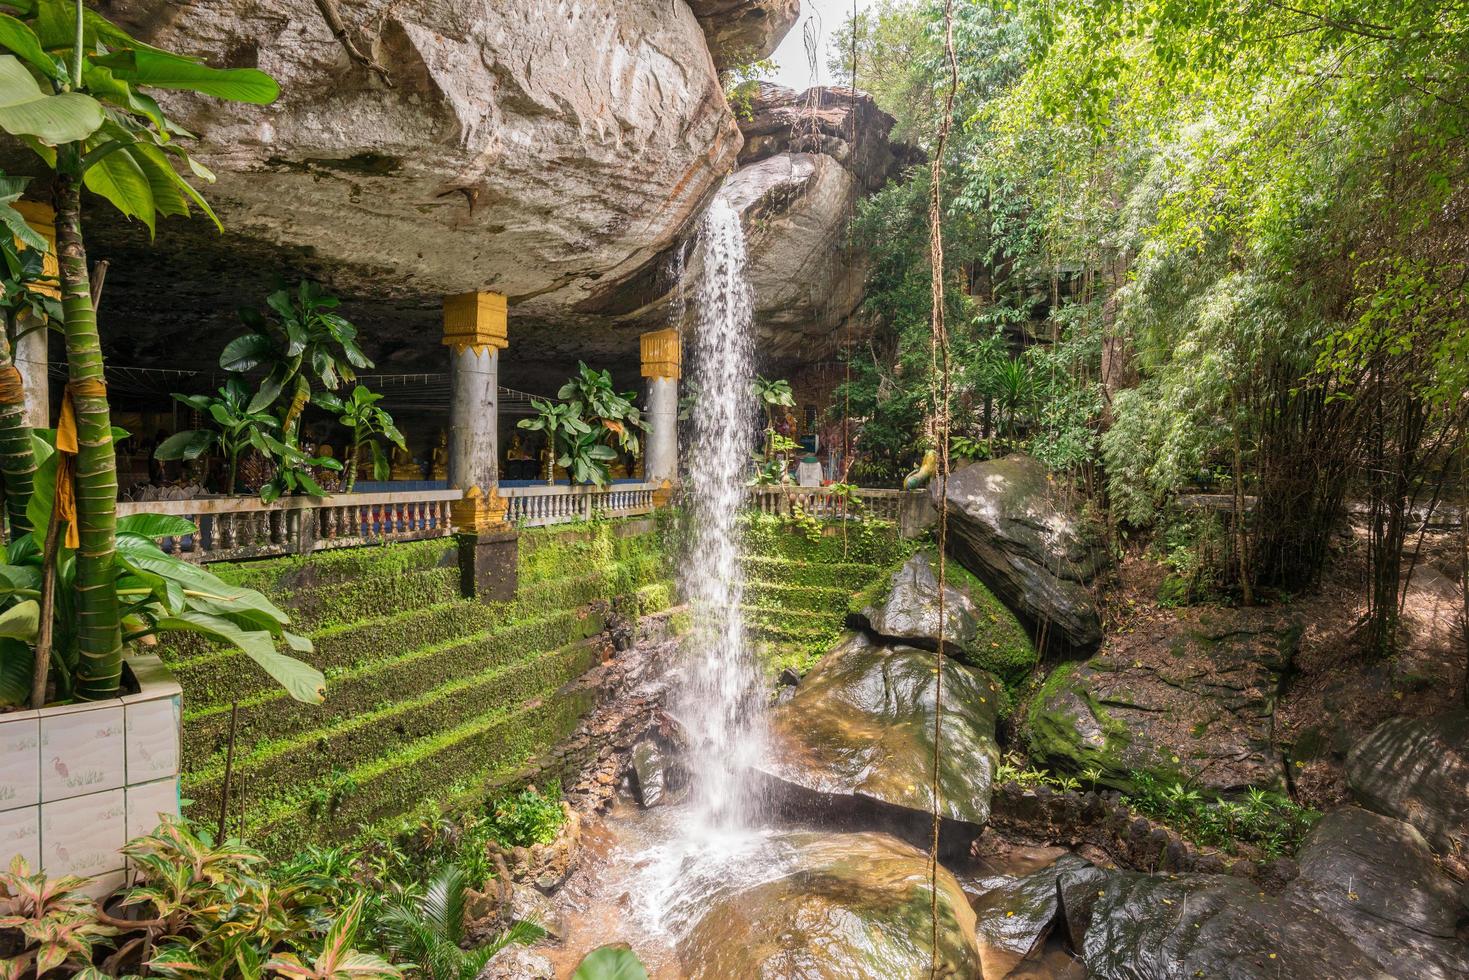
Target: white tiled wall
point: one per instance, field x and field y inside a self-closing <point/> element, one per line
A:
<point x="77" y="782"/>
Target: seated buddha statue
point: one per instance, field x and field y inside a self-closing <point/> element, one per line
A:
<point x="404" y="468"/>
<point x="439" y="459"/>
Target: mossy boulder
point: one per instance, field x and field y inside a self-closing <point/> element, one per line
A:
<point x="1012" y="526"/>
<point x="1194" y="701"/>
<point x="823" y="907"/>
<point x="902" y="607"/>
<point x="861" y="725"/>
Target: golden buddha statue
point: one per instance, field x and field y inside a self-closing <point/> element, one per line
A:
<point x="439" y="459"/>
<point x="404" y="468"/>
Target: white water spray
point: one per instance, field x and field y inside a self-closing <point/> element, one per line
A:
<point x="719" y="703"/>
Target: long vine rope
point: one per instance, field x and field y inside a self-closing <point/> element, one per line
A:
<point x="939" y="426"/>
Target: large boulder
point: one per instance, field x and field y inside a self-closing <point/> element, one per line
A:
<point x="841" y="123"/>
<point x="540" y="149"/>
<point x="742" y="31"/>
<point x="1375" y="879"/>
<point x="977" y="629"/>
<point x="1417" y="769"/>
<point x="821" y="906"/>
<point x="861" y="726"/>
<point x="1162" y="927"/>
<point x="1012" y="526"/>
<point x="1013" y="917"/>
<point x="1193" y="703"/>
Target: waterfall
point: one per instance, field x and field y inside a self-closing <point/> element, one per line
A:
<point x="719" y="700"/>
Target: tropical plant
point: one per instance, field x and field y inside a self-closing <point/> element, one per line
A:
<point x="563" y="425"/>
<point x="429" y="930"/>
<point x="616" y="962"/>
<point x="237" y="428"/>
<point x="306" y="342"/>
<point x="55" y="920"/>
<point x="72" y="90"/>
<point x="598" y="402"/>
<point x="25" y="298"/>
<point x="527" y="818"/>
<point x="338" y="960"/>
<point x="159" y="593"/>
<point x="360" y="413"/>
<point x="772" y="394"/>
<point x="293" y="469"/>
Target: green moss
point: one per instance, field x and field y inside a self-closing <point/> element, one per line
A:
<point x="800" y="598"/>
<point x="1051" y="731"/>
<point x="1002" y="646"/>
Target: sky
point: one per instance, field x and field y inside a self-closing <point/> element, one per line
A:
<point x="793" y="69"/>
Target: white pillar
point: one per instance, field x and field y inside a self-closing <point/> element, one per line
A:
<point x="661" y="363"/>
<point x="32" y="360"/>
<point x="474" y="419"/>
<point x="475" y="331"/>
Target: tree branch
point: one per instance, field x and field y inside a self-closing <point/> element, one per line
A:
<point x="333" y="18"/>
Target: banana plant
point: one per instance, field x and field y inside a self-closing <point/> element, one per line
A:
<point x="27" y="306"/>
<point x="585" y="457"/>
<point x="561" y="422"/>
<point x="74" y="88"/>
<point x="237" y="429"/>
<point x="599" y="402"/>
<point x="158" y="594"/>
<point x="305" y="342"/>
<point x="360" y="413"/>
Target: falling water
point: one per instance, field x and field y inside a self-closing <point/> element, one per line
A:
<point x="719" y="700"/>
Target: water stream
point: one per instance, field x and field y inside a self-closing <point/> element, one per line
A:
<point x="719" y="701"/>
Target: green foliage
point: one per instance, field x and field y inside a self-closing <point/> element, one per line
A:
<point x="1274" y="823"/>
<point x="159" y="594"/>
<point x="527" y="818"/>
<point x="428" y="930"/>
<point x="237" y="428"/>
<point x="610" y="963"/>
<point x="359" y="412"/>
<point x="74" y="92"/>
<point x="579" y="428"/>
<point x="54" y="922"/>
<point x="742" y="83"/>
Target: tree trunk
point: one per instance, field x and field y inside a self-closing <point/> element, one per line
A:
<point x="99" y="635"/>
<point x="351" y="483"/>
<point x="17" y="460"/>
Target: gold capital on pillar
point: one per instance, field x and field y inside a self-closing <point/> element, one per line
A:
<point x="663" y="494"/>
<point x="477" y="321"/>
<point x="661" y="354"/>
<point x="478" y="511"/>
<point x="42" y="219"/>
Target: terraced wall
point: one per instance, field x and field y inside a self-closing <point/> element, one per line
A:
<point x="431" y="698"/>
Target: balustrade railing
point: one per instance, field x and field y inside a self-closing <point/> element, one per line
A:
<point x="537" y="506"/>
<point x="244" y="527"/>
<point x="825" y="503"/>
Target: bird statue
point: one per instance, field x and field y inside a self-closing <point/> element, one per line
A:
<point x="919" y="478"/>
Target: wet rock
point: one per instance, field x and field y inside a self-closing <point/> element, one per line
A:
<point x="1417" y="769"/>
<point x="742" y="31"/>
<point x="909" y="611"/>
<point x="1012" y="528"/>
<point x="530" y="904"/>
<point x="788" y="678"/>
<point x="1077" y="890"/>
<point x="1015" y="916"/>
<point x="822" y="906"/>
<point x="861" y="725"/>
<point x="1161" y="927"/>
<point x="655" y="779"/>
<point x="977" y="629"/>
<point x="1195" y="704"/>
<point x="516" y="962"/>
<point x="1375" y="879"/>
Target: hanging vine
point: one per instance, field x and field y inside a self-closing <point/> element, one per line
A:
<point x="939" y="429"/>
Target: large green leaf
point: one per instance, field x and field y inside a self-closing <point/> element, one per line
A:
<point x="195" y="579"/>
<point x="247" y="353"/>
<point x="16" y="665"/>
<point x="17" y="37"/>
<point x="21" y="620"/>
<point x="120" y="178"/>
<point x="161" y="69"/>
<point x="155" y="525"/>
<point x="610" y="963"/>
<point x="301" y="681"/>
<point x="189" y="444"/>
<point x="16" y="224"/>
<point x="53" y="119"/>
